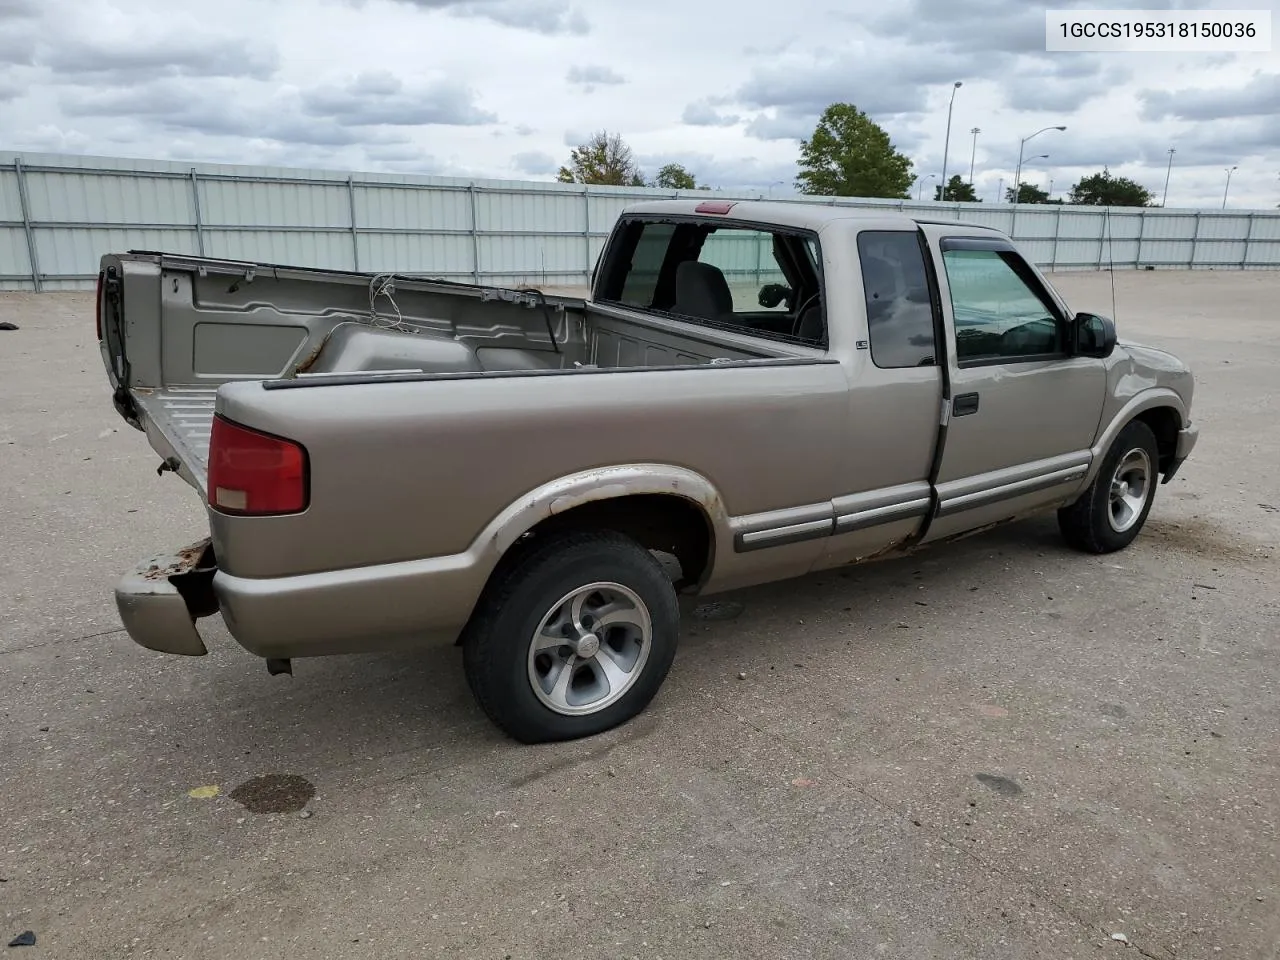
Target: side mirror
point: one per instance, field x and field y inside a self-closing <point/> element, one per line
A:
<point x="772" y="294"/>
<point x="1093" y="336"/>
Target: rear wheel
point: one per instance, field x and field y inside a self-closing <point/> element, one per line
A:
<point x="1112" y="511"/>
<point x="576" y="638"/>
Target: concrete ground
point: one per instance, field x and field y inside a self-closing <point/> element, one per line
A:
<point x="994" y="749"/>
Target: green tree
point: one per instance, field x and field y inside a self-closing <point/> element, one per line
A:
<point x="604" y="159"/>
<point x="1028" y="193"/>
<point x="1104" y="190"/>
<point x="957" y="189"/>
<point x="850" y="155"/>
<point x="674" y="176"/>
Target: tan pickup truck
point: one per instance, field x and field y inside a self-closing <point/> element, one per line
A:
<point x="753" y="391"/>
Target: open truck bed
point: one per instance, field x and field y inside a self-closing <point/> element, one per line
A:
<point x="173" y="329"/>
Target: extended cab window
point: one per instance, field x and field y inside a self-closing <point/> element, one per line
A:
<point x="751" y="280"/>
<point x="899" y="307"/>
<point x="998" y="314"/>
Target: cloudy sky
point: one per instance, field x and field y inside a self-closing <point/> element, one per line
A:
<point x="502" y="88"/>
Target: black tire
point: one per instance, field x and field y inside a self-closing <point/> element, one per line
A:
<point x="1090" y="524"/>
<point x="497" y="655"/>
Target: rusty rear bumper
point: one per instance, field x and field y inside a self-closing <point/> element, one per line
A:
<point x="160" y="600"/>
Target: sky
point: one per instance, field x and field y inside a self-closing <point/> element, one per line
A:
<point x="728" y="88"/>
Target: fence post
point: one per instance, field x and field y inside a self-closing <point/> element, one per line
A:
<point x="25" y="205"/>
<point x="351" y="210"/>
<point x="1057" y="232"/>
<point x="195" y="199"/>
<point x="1103" y="231"/>
<point x="1195" y="236"/>
<point x="586" y="235"/>
<point x="475" y="232"/>
<point x="1142" y="232"/>
<point x="1248" y="239"/>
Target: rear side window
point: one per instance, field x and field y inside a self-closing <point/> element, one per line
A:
<point x="900" y="311"/>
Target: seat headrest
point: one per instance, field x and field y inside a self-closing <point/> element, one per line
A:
<point x="702" y="290"/>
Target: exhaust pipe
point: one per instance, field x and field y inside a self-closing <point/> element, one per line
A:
<point x="275" y="666"/>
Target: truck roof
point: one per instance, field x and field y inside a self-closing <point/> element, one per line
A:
<point x="801" y="215"/>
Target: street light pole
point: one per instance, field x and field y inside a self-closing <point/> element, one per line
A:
<point x="1165" y="201"/>
<point x="1017" y="176"/>
<point x="946" y="145"/>
<point x="973" y="153"/>
<point x="1017" y="196"/>
<point x="923" y="181"/>
<point x="1228" y="187"/>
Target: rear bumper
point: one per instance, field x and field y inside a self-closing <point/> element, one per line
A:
<point x="160" y="600"/>
<point x="397" y="606"/>
<point x="1187" y="438"/>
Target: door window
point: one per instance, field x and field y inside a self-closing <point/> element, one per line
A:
<point x="998" y="315"/>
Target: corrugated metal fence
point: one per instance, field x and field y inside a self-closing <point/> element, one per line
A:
<point x="59" y="214"/>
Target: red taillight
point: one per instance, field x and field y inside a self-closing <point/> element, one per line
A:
<point x="97" y="319"/>
<point x="253" y="473"/>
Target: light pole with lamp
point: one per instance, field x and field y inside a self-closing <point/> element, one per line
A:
<point x="1228" y="186"/>
<point x="1168" y="170"/>
<point x="1018" y="173"/>
<point x="946" y="146"/>
<point x="973" y="153"/>
<point x="1017" y="192"/>
<point x="923" y="181"/>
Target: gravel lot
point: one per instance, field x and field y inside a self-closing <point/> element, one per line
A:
<point x="993" y="749"/>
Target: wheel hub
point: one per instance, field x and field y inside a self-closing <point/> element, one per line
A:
<point x="587" y="646"/>
<point x="590" y="648"/>
<point x="1131" y="486"/>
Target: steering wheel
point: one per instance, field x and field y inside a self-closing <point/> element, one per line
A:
<point x="805" y="305"/>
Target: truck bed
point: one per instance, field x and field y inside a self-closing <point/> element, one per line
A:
<point x="176" y="328"/>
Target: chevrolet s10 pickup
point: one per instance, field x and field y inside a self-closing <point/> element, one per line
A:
<point x="752" y="391"/>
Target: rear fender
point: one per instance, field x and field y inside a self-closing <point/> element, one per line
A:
<point x="604" y="483"/>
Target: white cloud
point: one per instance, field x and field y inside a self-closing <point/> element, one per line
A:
<point x="591" y="77"/>
<point x="702" y="113"/>
<point x="478" y="87"/>
<point x="535" y="163"/>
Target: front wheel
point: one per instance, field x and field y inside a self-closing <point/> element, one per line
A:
<point x="1110" y="513"/>
<point x="575" y="639"/>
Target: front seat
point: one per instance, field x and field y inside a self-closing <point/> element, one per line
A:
<point x="702" y="291"/>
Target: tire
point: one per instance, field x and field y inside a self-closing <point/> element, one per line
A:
<point x="1111" y="512"/>
<point x="516" y="670"/>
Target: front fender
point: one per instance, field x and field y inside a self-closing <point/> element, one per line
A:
<point x="1148" y="399"/>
